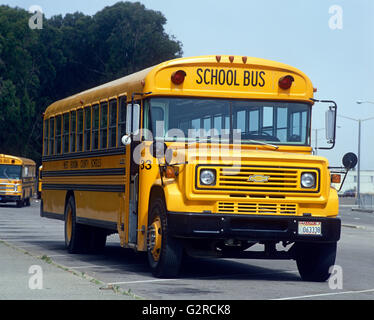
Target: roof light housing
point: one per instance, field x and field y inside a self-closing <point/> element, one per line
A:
<point x="285" y="82"/>
<point x="178" y="77"/>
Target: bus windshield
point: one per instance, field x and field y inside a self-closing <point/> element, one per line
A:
<point x="228" y="121"/>
<point x="10" y="171"/>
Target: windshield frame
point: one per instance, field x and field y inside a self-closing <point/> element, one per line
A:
<point x="148" y="118"/>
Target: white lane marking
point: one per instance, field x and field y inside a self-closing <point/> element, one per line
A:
<point x="201" y="278"/>
<point x="141" y="281"/>
<point x="94" y="266"/>
<point x="326" y="294"/>
<point x="57" y="255"/>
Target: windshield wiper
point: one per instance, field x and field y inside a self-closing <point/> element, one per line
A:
<point x="6" y="175"/>
<point x="264" y="144"/>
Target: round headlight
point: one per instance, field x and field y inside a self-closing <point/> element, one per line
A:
<point x="207" y="177"/>
<point x="308" y="180"/>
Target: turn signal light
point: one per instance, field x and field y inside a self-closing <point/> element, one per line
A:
<point x="171" y="172"/>
<point x="335" y="178"/>
<point x="178" y="77"/>
<point x="286" y="82"/>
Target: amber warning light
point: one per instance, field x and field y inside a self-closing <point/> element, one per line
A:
<point x="178" y="77"/>
<point x="286" y="82"/>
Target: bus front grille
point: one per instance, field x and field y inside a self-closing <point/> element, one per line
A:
<point x="258" y="179"/>
<point x="257" y="208"/>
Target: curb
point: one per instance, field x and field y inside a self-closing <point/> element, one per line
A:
<point x="82" y="275"/>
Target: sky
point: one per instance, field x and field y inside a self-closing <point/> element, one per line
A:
<point x="329" y="40"/>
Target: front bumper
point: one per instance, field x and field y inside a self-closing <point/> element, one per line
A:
<point x="8" y="198"/>
<point x="249" y="227"/>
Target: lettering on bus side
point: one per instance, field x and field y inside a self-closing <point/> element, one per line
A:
<point x="95" y="163"/>
<point x="230" y="77"/>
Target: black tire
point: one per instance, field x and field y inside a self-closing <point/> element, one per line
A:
<point x="97" y="239"/>
<point x="19" y="203"/>
<point x="77" y="237"/>
<point x="315" y="259"/>
<point x="170" y="251"/>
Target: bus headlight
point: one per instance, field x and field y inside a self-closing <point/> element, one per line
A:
<point x="308" y="180"/>
<point x="208" y="177"/>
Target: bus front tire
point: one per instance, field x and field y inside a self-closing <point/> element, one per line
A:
<point x="314" y="260"/>
<point x="164" y="252"/>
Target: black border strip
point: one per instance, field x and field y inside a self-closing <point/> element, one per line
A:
<point x="85" y="154"/>
<point x="84" y="187"/>
<point x="92" y="172"/>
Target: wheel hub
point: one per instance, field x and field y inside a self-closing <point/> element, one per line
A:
<point x="155" y="239"/>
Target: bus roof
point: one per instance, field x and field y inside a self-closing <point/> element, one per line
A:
<point x="206" y="76"/>
<point x="8" y="159"/>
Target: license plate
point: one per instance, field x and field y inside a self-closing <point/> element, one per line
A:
<point x="312" y="228"/>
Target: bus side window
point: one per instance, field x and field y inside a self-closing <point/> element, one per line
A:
<point x="122" y="113"/>
<point x="51" y="136"/>
<point x="87" y="128"/>
<point x="80" y="130"/>
<point x="112" y="123"/>
<point x="95" y="127"/>
<point x="25" y="172"/>
<point x="66" y="133"/>
<point x="45" y="140"/>
<point x="58" y="135"/>
<point x="73" y="130"/>
<point x="104" y="125"/>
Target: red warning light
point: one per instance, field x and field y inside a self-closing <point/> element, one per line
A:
<point x="178" y="77"/>
<point x="286" y="82"/>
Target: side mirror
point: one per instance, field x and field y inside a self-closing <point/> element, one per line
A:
<point x="330" y="125"/>
<point x="133" y="118"/>
<point x="350" y="160"/>
<point x="126" y="140"/>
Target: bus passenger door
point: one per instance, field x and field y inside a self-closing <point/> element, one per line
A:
<point x="132" y="175"/>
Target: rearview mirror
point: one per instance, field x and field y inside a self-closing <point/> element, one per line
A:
<point x="330" y="125"/>
<point x="133" y="118"/>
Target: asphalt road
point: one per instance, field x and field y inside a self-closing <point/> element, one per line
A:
<point x="27" y="240"/>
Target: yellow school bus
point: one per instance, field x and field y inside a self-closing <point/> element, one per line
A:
<point x="205" y="156"/>
<point x="17" y="180"/>
<point x="40" y="182"/>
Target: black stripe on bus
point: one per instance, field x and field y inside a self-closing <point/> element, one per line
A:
<point x="92" y="172"/>
<point x="98" y="223"/>
<point x="85" y="154"/>
<point x="84" y="187"/>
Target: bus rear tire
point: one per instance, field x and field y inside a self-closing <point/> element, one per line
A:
<point x="76" y="235"/>
<point x="98" y="238"/>
<point x="164" y="252"/>
<point x="314" y="260"/>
